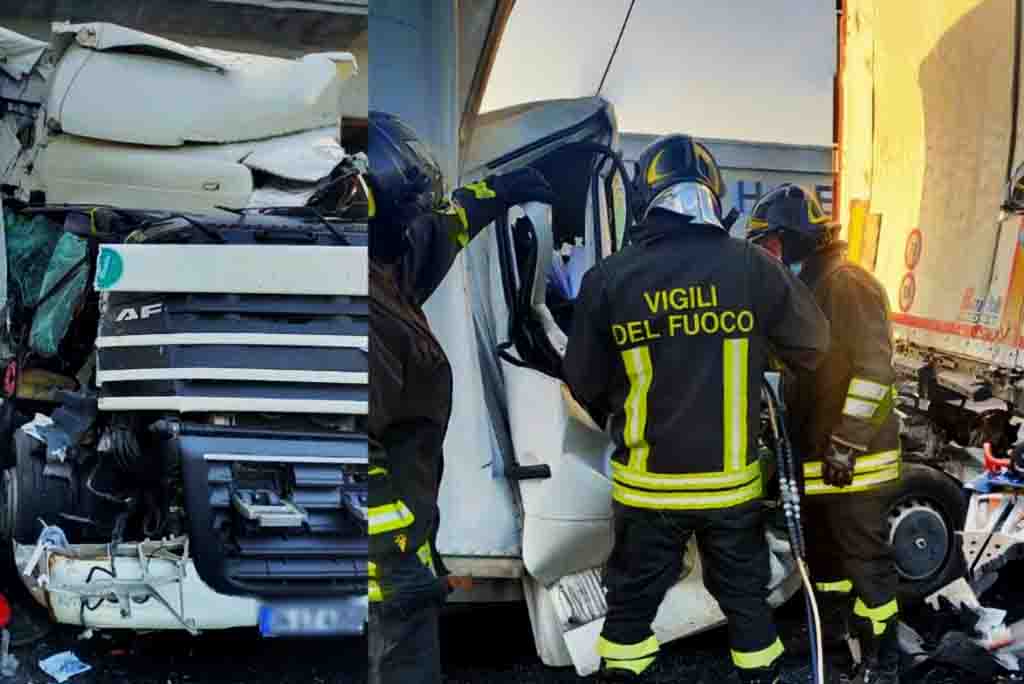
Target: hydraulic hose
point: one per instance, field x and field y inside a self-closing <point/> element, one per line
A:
<point x="788" y="484"/>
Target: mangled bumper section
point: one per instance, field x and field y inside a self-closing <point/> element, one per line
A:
<point x="150" y="585"/>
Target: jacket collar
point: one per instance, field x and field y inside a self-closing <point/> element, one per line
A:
<point x="821" y="262"/>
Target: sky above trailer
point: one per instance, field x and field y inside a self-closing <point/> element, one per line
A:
<point x="742" y="69"/>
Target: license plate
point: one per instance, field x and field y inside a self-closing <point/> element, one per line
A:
<point x="314" y="618"/>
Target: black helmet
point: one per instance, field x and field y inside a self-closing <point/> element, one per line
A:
<point x="404" y="178"/>
<point x="677" y="174"/>
<point x="793" y="213"/>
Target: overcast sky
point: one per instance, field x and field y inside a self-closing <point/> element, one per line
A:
<point x="744" y="69"/>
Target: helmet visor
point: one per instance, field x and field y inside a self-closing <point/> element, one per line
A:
<point x="695" y="201"/>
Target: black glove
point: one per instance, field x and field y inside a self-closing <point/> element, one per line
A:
<point x="521" y="186"/>
<point x="837" y="465"/>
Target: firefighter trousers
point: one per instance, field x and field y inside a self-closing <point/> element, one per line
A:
<point x="647" y="561"/>
<point x="849" y="554"/>
<point x="404" y="645"/>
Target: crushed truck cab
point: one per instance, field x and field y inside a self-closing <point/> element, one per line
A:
<point x="185" y="336"/>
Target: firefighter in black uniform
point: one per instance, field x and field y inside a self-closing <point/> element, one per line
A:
<point x="415" y="236"/>
<point x="843" y="425"/>
<point x="669" y="342"/>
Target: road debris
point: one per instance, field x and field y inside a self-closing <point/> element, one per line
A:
<point x="63" y="666"/>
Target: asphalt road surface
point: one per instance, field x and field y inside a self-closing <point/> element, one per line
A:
<point x="230" y="657"/>
<point x="490" y="645"/>
<point x="495" y="645"/>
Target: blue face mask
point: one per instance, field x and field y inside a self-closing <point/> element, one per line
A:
<point x="796" y="268"/>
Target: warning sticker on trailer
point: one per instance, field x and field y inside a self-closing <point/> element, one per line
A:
<point x="908" y="289"/>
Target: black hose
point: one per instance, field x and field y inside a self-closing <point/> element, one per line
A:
<point x="789" y="489"/>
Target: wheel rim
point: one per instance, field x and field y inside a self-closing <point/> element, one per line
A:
<point x="919" y="535"/>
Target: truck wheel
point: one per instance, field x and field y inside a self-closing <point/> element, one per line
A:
<point x="926" y="510"/>
<point x="29" y="496"/>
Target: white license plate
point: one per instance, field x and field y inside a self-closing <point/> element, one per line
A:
<point x="314" y="618"/>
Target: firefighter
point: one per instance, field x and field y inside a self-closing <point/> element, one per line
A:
<point x="415" y="235"/>
<point x="669" y="342"/>
<point x="843" y="425"/>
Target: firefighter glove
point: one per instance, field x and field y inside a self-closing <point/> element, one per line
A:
<point x="515" y="187"/>
<point x="837" y="465"/>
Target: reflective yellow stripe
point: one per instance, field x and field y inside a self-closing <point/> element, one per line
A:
<point x="749" y="660"/>
<point x="480" y="190"/>
<point x="371" y="202"/>
<point x="838" y="587"/>
<point x="689" y="481"/>
<point x="614" y="651"/>
<point x="636" y="666"/>
<point x="640" y="373"/>
<point x="372" y="567"/>
<point x="426" y="557"/>
<point x="878" y="615"/>
<point x="376" y="595"/>
<point x="687" y="500"/>
<point x="859" y="408"/>
<point x="390" y="517"/>
<point x="734" y="400"/>
<point x="864" y="464"/>
<point x="866" y="389"/>
<point x="378" y="471"/>
<point x="860" y="482"/>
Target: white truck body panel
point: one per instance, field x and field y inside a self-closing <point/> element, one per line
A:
<point x="183" y="136"/>
<point x="180" y="95"/>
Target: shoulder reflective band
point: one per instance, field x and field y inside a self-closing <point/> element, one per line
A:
<point x="390" y="517"/>
<point x="640" y="374"/>
<point x="376" y="596"/>
<point x="866" y="389"/>
<point x="749" y="660"/>
<point x="734" y="406"/>
<point x="687" y="500"/>
<point x="378" y="471"/>
<point x="879" y="615"/>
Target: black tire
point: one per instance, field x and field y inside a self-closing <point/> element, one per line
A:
<point x="30" y="496"/>
<point x="926" y="509"/>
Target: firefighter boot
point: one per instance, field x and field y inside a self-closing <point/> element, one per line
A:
<point x="760" y="675"/>
<point x="880" y="662"/>
<point x="616" y="676"/>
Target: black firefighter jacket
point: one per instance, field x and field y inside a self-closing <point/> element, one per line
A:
<point x="670" y="340"/>
<point x="411" y="381"/>
<point x="851" y="396"/>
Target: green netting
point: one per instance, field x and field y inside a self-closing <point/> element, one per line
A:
<point x="54" y="315"/>
<point x="30" y="243"/>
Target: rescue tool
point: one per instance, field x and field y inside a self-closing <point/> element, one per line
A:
<point x="790" y="494"/>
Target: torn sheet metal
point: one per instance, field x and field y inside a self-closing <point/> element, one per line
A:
<point x="19" y="54"/>
<point x="993" y="531"/>
<point x="156" y="587"/>
<point x="183" y="94"/>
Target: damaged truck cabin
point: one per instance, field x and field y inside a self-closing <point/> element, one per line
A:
<point x="184" y="339"/>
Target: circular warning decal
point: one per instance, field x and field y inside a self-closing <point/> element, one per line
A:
<point x="908" y="288"/>
<point x="109" y="269"/>
<point x="912" y="252"/>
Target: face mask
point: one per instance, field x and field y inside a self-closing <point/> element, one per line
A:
<point x="796" y="268"/>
